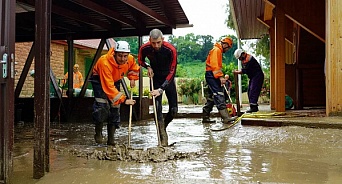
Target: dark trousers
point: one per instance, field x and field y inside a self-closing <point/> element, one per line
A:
<point x="171" y="94"/>
<point x="254" y="88"/>
<point x="103" y="112"/>
<point x="215" y="94"/>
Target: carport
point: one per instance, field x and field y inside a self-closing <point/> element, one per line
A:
<point x="41" y="21"/>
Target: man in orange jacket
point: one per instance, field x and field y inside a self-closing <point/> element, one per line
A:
<point x="107" y="73"/>
<point x="215" y="79"/>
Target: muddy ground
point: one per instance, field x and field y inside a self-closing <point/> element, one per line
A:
<point x="241" y="154"/>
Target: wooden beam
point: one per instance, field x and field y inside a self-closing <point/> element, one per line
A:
<point x="148" y="11"/>
<point x="106" y="12"/>
<point x="268" y="11"/>
<point x="272" y="68"/>
<point x="268" y="23"/>
<point x="41" y="88"/>
<point x="280" y="59"/>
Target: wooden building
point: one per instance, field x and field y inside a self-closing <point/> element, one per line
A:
<point x="305" y="48"/>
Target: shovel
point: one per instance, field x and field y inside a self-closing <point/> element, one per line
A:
<point x="155" y="113"/>
<point x="130" y="121"/>
<point x="230" y="106"/>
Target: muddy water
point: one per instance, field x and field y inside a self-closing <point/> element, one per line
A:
<point x="242" y="154"/>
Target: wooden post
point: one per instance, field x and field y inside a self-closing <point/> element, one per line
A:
<point x="280" y="58"/>
<point x="333" y="64"/>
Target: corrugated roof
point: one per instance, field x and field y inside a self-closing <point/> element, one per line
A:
<point x="246" y="13"/>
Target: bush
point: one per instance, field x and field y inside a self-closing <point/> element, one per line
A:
<point x="189" y="89"/>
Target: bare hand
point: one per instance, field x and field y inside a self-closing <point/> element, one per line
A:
<point x="223" y="80"/>
<point x="156" y="92"/>
<point x="150" y="73"/>
<point x="237" y="71"/>
<point x="132" y="83"/>
<point x="130" y="102"/>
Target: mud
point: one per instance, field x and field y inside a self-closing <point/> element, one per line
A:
<point x="240" y="154"/>
<point x="122" y="153"/>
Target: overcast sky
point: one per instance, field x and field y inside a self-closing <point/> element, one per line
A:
<point x="207" y="17"/>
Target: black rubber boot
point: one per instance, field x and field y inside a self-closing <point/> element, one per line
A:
<point x="206" y="117"/>
<point x="225" y="116"/>
<point x="253" y="108"/>
<point x="98" y="133"/>
<point x="163" y="134"/>
<point x="111" y="130"/>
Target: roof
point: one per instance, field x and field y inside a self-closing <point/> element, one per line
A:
<point x="245" y="15"/>
<point x="95" y="19"/>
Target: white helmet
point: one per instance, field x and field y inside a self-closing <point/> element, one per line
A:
<point x="31" y="73"/>
<point x="238" y="53"/>
<point x="122" y="46"/>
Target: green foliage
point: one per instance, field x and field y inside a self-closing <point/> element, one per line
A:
<point x="189" y="88"/>
<point x="229" y="21"/>
<point x="146" y="92"/>
<point x="228" y="69"/>
<point x="191" y="70"/>
<point x="262" y="48"/>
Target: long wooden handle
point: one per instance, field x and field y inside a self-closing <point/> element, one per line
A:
<point x="130" y="120"/>
<point x="225" y="88"/>
<point x="155" y="113"/>
<point x="237" y="98"/>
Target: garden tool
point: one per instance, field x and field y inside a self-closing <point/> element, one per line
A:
<point x="130" y="120"/>
<point x="155" y="113"/>
<point x="237" y="97"/>
<point x="230" y="107"/>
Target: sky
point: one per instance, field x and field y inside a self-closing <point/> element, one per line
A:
<point x="207" y="17"/>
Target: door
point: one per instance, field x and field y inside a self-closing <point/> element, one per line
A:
<point x="7" y="45"/>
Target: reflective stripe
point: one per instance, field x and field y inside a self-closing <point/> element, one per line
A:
<point x="116" y="106"/>
<point x="117" y="97"/>
<point x="101" y="100"/>
<point x="220" y="93"/>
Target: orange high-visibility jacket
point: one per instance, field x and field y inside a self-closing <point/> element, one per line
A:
<point x="110" y="72"/>
<point x="214" y="60"/>
<point x="77" y="79"/>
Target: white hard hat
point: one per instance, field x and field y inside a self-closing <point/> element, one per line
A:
<point x="122" y="46"/>
<point x="238" y="53"/>
<point x="31" y="73"/>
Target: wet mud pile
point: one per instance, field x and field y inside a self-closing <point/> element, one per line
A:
<point x="121" y="152"/>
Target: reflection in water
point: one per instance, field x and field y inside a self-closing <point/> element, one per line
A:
<point x="243" y="154"/>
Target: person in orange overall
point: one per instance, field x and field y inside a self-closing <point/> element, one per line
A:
<point x="107" y="74"/>
<point x="77" y="77"/>
<point x="215" y="81"/>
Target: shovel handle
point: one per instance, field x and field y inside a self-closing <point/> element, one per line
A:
<point x="237" y="97"/>
<point x="130" y="120"/>
<point x="155" y="113"/>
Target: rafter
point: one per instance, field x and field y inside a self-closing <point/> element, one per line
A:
<point x="148" y="11"/>
<point x="105" y="11"/>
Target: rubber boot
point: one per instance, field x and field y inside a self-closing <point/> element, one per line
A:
<point x="206" y="117"/>
<point x="163" y="134"/>
<point x="225" y="116"/>
<point x="253" y="108"/>
<point x="98" y="133"/>
<point x="111" y="130"/>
